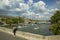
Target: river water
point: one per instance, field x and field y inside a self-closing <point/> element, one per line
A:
<point x="41" y="29"/>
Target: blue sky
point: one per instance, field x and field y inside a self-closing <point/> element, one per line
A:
<point x="33" y="9"/>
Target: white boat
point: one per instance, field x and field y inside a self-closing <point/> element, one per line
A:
<point x="36" y="28"/>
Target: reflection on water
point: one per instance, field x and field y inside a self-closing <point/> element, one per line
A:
<point x="42" y="29"/>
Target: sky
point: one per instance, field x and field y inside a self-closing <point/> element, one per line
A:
<point x="33" y="9"/>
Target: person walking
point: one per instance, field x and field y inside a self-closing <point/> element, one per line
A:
<point x="14" y="30"/>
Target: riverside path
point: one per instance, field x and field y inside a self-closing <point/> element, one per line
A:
<point x="5" y="36"/>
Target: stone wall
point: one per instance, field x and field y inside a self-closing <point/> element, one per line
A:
<point x="53" y="37"/>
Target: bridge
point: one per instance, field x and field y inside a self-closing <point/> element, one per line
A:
<point x="25" y="35"/>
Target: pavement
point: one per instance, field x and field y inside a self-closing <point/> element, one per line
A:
<point x="5" y="36"/>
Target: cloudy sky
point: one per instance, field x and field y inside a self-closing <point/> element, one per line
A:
<point x="33" y="9"/>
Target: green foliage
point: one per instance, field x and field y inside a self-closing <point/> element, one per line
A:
<point x="2" y="19"/>
<point x="8" y="20"/>
<point x="21" y="20"/>
<point x="55" y="23"/>
<point x="55" y="17"/>
<point x="15" y="21"/>
<point x="12" y="20"/>
<point x="55" y="28"/>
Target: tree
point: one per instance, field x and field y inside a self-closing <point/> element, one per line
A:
<point x="14" y="20"/>
<point x="55" y="23"/>
<point x="8" y="21"/>
<point x="21" y="20"/>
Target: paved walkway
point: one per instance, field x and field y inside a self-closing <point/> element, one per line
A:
<point x="28" y="36"/>
<point x="5" y="36"/>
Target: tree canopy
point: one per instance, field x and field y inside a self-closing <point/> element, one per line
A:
<point x="12" y="20"/>
<point x="55" y="23"/>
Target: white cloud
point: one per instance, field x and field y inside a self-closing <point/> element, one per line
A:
<point x="10" y="2"/>
<point x="38" y="9"/>
<point x="41" y="10"/>
<point x="30" y="2"/>
<point x="3" y="2"/>
<point x="28" y="13"/>
<point x="39" y="5"/>
<point x="46" y="12"/>
<point x="24" y="6"/>
<point x="38" y="16"/>
<point x="21" y="1"/>
<point x="53" y="10"/>
<point x="33" y="15"/>
<point x="13" y="4"/>
<point x="17" y="9"/>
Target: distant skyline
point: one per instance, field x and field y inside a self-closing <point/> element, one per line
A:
<point x="34" y="9"/>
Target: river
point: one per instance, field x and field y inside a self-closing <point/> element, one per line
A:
<point x="41" y="29"/>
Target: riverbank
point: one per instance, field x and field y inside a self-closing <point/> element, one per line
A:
<point x="30" y="36"/>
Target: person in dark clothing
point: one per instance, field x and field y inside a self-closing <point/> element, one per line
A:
<point x="14" y="30"/>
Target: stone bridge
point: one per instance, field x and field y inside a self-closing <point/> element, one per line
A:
<point x="30" y="36"/>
